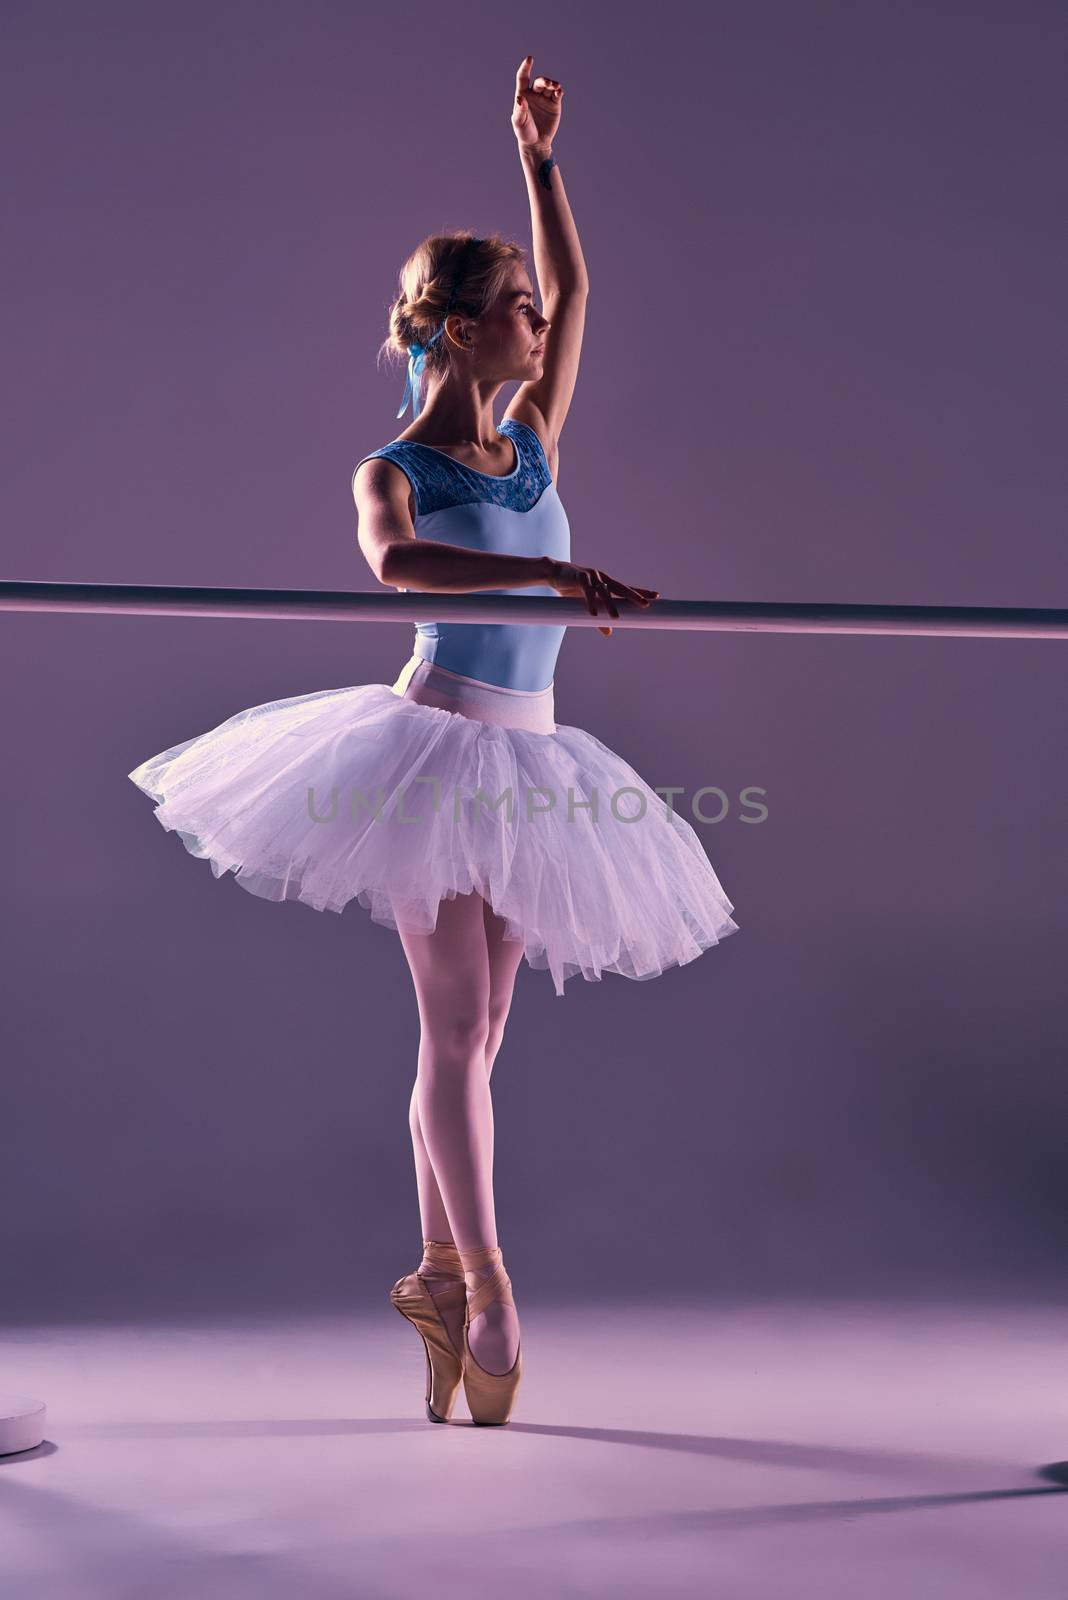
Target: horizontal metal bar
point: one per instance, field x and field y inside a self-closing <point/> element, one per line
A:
<point x="719" y="616"/>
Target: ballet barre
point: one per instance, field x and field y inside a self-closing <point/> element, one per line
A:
<point x="718" y="616"/>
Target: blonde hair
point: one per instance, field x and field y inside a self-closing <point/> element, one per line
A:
<point x="444" y="266"/>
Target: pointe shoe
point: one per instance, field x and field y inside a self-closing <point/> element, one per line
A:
<point x="490" y="1395"/>
<point x="413" y="1299"/>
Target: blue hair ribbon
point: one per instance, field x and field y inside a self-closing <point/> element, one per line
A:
<point x="416" y="362"/>
<point x="417" y="353"/>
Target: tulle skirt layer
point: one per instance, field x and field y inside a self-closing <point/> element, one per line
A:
<point x="384" y="795"/>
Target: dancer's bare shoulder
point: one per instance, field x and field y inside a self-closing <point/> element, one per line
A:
<point x="378" y="477"/>
<point x="385" y="508"/>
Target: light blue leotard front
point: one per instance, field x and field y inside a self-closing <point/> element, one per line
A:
<point x="520" y="514"/>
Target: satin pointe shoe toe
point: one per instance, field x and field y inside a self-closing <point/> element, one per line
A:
<point x="413" y="1299"/>
<point x="490" y="1395"/>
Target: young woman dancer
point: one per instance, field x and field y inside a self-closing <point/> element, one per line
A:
<point x="539" y="849"/>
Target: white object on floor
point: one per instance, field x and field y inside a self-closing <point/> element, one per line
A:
<point x="21" y="1423"/>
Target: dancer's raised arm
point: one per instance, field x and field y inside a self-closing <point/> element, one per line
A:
<point x="558" y="259"/>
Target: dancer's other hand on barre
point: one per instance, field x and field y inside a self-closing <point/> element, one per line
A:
<point x="595" y="586"/>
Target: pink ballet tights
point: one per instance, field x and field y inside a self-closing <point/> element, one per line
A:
<point x="464" y="975"/>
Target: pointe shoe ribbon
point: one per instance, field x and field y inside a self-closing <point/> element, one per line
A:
<point x="445" y="1260"/>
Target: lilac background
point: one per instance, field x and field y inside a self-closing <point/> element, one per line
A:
<point x="824" y="361"/>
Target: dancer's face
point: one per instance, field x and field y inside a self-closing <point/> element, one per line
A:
<point x="505" y="338"/>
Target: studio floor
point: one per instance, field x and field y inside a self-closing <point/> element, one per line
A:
<point x="750" y="1452"/>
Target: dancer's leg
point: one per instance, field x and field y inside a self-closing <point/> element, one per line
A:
<point x="432" y="1213"/>
<point x="451" y="970"/>
<point x="494" y="1332"/>
<point x="504" y="958"/>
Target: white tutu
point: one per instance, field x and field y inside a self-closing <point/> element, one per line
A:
<point x="363" y="793"/>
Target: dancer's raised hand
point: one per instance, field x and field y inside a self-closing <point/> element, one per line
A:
<point x="536" y="107"/>
<point x="595" y="587"/>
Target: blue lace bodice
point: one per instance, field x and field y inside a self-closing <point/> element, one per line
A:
<point x="518" y="514"/>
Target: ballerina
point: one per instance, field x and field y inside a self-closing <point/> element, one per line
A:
<point x="450" y="804"/>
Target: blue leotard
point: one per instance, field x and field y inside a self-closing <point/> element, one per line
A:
<point x="520" y="514"/>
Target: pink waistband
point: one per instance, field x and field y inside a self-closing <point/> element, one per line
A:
<point x="431" y="685"/>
